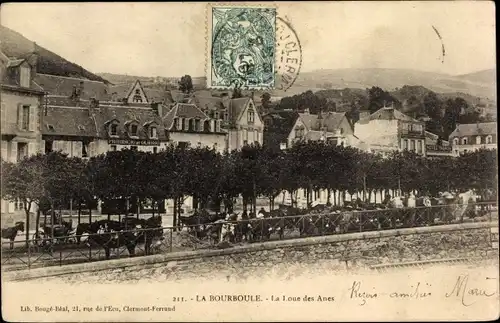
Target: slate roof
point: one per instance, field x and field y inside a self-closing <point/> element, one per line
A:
<point x="236" y="106"/>
<point x="183" y="110"/>
<point x="62" y="85"/>
<point x="126" y="114"/>
<point x="120" y="91"/>
<point x="473" y="129"/>
<point x="331" y="121"/>
<point x="389" y="113"/>
<point x="68" y="121"/>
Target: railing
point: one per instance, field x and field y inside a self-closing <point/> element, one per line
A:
<point x="64" y="250"/>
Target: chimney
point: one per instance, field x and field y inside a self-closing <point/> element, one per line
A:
<point x="80" y="89"/>
<point x="93" y="106"/>
<point x="225" y="100"/>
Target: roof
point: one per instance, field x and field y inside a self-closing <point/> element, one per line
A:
<point x="330" y="120"/>
<point x="472" y="129"/>
<point x="390" y="113"/>
<point x="183" y="110"/>
<point x="126" y="114"/>
<point x="64" y="86"/>
<point x="236" y="106"/>
<point x="68" y="121"/>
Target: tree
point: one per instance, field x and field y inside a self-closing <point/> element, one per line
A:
<point x="186" y="84"/>
<point x="265" y="100"/>
<point x="377" y="98"/>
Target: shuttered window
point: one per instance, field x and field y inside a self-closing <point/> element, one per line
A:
<point x="32" y="118"/>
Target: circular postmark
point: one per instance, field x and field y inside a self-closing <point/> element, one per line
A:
<point x="243" y="48"/>
<point x="288" y="55"/>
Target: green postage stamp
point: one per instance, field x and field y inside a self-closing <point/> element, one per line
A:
<point x="242" y="46"/>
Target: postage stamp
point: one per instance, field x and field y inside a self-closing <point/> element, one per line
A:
<point x="242" y="47"/>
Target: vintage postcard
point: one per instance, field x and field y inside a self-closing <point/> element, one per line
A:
<point x="249" y="161"/>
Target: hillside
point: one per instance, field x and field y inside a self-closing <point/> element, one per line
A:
<point x="485" y="76"/>
<point x="13" y="44"/>
<point x="476" y="84"/>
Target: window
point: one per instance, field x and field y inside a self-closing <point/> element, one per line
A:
<point x="226" y="116"/>
<point x="199" y="144"/>
<point x="25" y="77"/>
<point x="197" y="124"/>
<point x="251" y="116"/>
<point x="84" y="150"/>
<point x="155" y="150"/>
<point x="412" y="145"/>
<point x="419" y="146"/>
<point x="464" y="141"/>
<point x="48" y="146"/>
<point x="22" y="150"/>
<point x="133" y="130"/>
<point x="478" y="140"/>
<point x="489" y="139"/>
<point x="405" y="144"/>
<point x="455" y="141"/>
<point x="216" y="115"/>
<point x="113" y="147"/>
<point x="133" y="148"/>
<point x="25" y="123"/>
<point x="114" y="129"/>
<point x="137" y="97"/>
<point x="18" y="205"/>
<point x="153" y="133"/>
<point x="245" y="142"/>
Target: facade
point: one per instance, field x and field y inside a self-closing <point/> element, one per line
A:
<point x="188" y="126"/>
<point x="332" y="127"/>
<point x="436" y="147"/>
<point x="239" y="118"/>
<point x="472" y="137"/>
<point x="20" y="99"/>
<point x="388" y="130"/>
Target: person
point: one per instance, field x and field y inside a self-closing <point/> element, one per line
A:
<point x="261" y="213"/>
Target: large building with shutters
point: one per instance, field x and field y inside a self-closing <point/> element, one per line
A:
<point x="20" y="100"/>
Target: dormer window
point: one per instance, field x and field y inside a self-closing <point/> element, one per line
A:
<point x="464" y="141"/>
<point x="137" y="96"/>
<point x="25" y="76"/>
<point x="226" y="116"/>
<point x="478" y="140"/>
<point x="197" y="124"/>
<point x="251" y="116"/>
<point x="455" y="141"/>
<point x="489" y="139"/>
<point x="153" y="133"/>
<point x="113" y="129"/>
<point x="133" y="130"/>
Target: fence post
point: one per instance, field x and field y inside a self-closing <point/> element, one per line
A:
<point x="171" y="229"/>
<point x="29" y="255"/>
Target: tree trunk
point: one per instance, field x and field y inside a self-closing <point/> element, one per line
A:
<point x="79" y="211"/>
<point x="138" y="207"/>
<point x="328" y="192"/>
<point x="37" y="221"/>
<point x="174" y="220"/>
<point x="90" y="214"/>
<point x="27" y="207"/>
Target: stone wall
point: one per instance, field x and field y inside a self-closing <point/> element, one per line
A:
<point x="469" y="240"/>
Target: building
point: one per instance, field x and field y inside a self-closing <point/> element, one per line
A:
<point x="472" y="137"/>
<point x="238" y="117"/>
<point x="277" y="127"/>
<point x="388" y="130"/>
<point x="436" y="147"/>
<point x="331" y="127"/>
<point x="188" y="126"/>
<point x="20" y="99"/>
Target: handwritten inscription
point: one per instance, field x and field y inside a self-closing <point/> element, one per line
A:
<point x="417" y="291"/>
<point x="468" y="295"/>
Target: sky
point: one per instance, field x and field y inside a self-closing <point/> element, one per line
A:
<point x="168" y="39"/>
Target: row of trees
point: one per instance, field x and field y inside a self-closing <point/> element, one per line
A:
<point x="49" y="181"/>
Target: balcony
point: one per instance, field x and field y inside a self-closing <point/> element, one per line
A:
<point x="411" y="133"/>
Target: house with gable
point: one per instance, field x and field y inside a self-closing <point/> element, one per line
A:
<point x="388" y="129"/>
<point x="330" y="127"/>
<point x="188" y="126"/>
<point x="238" y="117"/>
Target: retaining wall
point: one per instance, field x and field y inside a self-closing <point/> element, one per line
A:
<point x="468" y="240"/>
